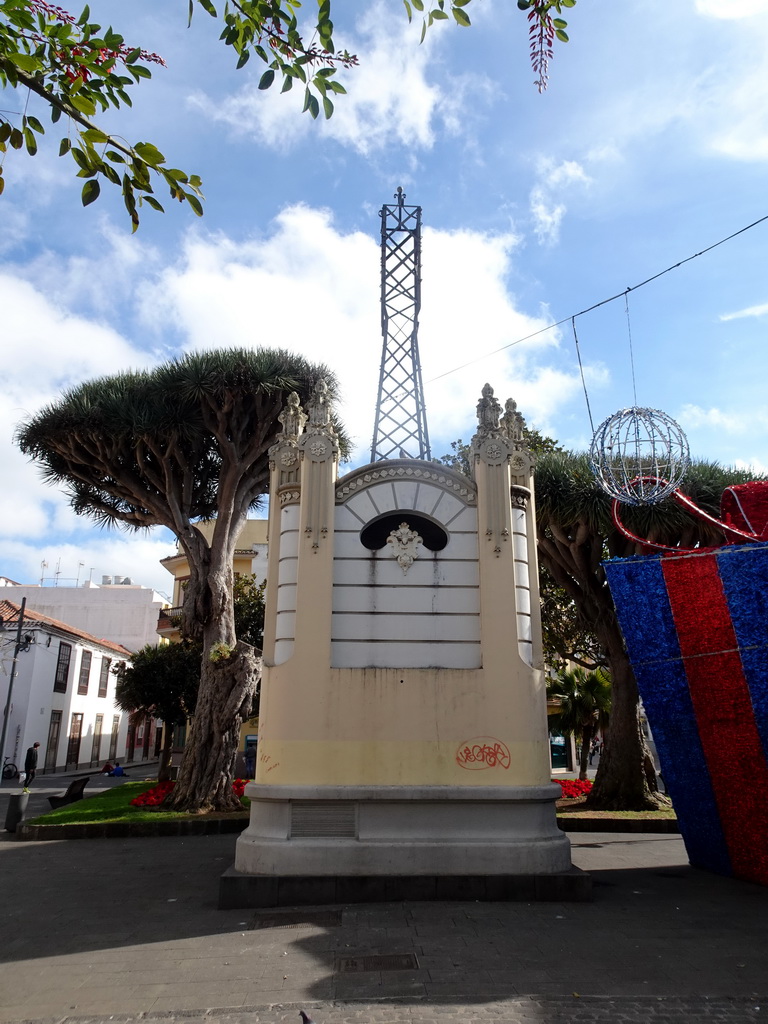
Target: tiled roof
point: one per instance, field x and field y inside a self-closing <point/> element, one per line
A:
<point x="9" y="610"/>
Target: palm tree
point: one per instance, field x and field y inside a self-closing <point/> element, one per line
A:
<point x="583" y="704"/>
<point x="186" y="441"/>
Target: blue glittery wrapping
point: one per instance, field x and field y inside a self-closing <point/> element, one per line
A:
<point x="645" y="617"/>
<point x="744" y="572"/>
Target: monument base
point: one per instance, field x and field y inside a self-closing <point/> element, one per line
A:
<point x="401" y="842"/>
<point x="238" y="891"/>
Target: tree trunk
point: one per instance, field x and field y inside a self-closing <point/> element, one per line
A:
<point x="586" y="745"/>
<point x="621" y="783"/>
<point x="229" y="675"/>
<point x="226" y="690"/>
<point x="164" y="771"/>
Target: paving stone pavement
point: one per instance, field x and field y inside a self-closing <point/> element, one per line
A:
<point x="127" y="930"/>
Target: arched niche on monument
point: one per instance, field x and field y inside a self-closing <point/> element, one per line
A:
<point x="405" y="574"/>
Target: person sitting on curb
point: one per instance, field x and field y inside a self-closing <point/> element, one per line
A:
<point x="107" y="769"/>
<point x="117" y="770"/>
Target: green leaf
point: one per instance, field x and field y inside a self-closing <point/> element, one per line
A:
<point x="25" y="61"/>
<point x="83" y="19"/>
<point x="81" y="159"/>
<point x="17" y="139"/>
<point x="559" y="23"/>
<point x="562" y="36"/>
<point x="151" y="201"/>
<point x="91" y="191"/>
<point x="116" y="158"/>
<point x="245" y="56"/>
<point x="267" y="79"/>
<point x="149" y="153"/>
<point x="408" y="10"/>
<point x="64" y="147"/>
<point x="461" y="17"/>
<point x="133" y="56"/>
<point x="208" y="6"/>
<point x="287" y="84"/>
<point x="94" y="135"/>
<point x="31" y="141"/>
<point x="418" y="4"/>
<point x="2" y="184"/>
<point x="327" y="107"/>
<point x="83" y="104"/>
<point x="437" y="16"/>
<point x="35" y="124"/>
<point x="195" y="203"/>
<point x="5" y="131"/>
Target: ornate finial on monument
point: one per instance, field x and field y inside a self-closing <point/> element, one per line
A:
<point x="319" y="406"/>
<point x="292" y="418"/>
<point x="400" y="195"/>
<point x="488" y="412"/>
<point x="512" y="422"/>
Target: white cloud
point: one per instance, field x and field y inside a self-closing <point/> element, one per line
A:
<point x="749" y="311"/>
<point x="744" y="421"/>
<point x="546" y="198"/>
<point x="389" y="98"/>
<point x="731" y="9"/>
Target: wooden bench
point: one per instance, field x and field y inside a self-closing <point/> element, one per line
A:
<point x="74" y="792"/>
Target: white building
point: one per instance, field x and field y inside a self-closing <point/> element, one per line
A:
<point x="63" y="693"/>
<point x="117" y="608"/>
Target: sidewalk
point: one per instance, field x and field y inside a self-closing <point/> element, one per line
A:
<point x="130" y="927"/>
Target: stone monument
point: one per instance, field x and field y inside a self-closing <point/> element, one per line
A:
<point x="403" y="748"/>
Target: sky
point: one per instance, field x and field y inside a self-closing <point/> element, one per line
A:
<point x="649" y="145"/>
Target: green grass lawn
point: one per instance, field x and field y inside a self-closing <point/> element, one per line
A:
<point x="111" y="805"/>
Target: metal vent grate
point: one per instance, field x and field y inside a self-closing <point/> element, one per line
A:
<point x="383" y="962"/>
<point x="298" y="919"/>
<point x="323" y="821"/>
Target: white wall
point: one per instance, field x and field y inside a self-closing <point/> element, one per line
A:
<point x="125" y="615"/>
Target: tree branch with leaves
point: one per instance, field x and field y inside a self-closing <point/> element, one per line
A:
<point x="80" y="71"/>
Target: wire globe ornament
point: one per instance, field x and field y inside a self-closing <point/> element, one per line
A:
<point x="639" y="456"/>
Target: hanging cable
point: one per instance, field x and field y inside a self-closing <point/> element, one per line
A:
<point x="597" y="305"/>
<point x="581" y="371"/>
<point x="631" y="353"/>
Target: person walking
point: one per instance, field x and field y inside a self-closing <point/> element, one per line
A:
<point x="30" y="766"/>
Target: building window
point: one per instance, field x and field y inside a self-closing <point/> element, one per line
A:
<point x="113" y="738"/>
<point x="104" y="676"/>
<point x="96" y="748"/>
<point x="75" y="732"/>
<point x="85" y="671"/>
<point x="62" y="668"/>
<point x="53" y="741"/>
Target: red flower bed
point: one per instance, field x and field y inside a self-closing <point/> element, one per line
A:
<point x="154" y="797"/>
<point x="574" y="788"/>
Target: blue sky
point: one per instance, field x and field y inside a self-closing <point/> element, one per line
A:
<point x="650" y="144"/>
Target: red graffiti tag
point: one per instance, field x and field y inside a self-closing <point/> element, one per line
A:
<point x="483" y="752"/>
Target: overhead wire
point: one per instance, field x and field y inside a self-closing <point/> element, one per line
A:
<point x="597" y="305"/>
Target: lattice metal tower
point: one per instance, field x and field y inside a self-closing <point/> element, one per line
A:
<point x="400" y="428"/>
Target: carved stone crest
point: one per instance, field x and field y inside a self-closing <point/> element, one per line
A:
<point x="404" y="543"/>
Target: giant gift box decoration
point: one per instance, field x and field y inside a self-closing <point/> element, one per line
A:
<point x="696" y="630"/>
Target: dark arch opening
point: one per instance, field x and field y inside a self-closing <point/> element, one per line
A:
<point x="374" y="535"/>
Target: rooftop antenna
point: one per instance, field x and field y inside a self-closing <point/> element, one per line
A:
<point x="400" y="427"/>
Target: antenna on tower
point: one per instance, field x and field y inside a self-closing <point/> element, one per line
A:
<point x="400" y="428"/>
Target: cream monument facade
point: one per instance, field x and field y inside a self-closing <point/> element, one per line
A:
<point x="403" y="747"/>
